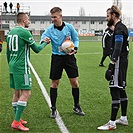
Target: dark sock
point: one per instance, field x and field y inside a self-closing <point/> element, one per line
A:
<point x="115" y="108"/>
<point x="103" y="58"/>
<point x="115" y="93"/>
<point x="75" y="93"/>
<point x="124" y="107"/>
<point x="124" y="102"/>
<point x="53" y="96"/>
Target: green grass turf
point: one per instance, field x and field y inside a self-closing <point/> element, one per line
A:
<point x="95" y="98"/>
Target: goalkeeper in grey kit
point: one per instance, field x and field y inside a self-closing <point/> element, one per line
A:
<point x="117" y="70"/>
<point x="58" y="32"/>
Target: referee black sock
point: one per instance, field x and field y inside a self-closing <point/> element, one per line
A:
<point x="75" y="93"/>
<point x="53" y="96"/>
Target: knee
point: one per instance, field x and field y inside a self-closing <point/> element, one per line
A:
<point x="75" y="84"/>
<point x="123" y="93"/>
<point x="29" y="94"/>
<point x="55" y="83"/>
<point x="26" y="95"/>
<point x="17" y="94"/>
<point x="115" y="93"/>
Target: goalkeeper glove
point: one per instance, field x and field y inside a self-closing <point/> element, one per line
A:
<point x="110" y="71"/>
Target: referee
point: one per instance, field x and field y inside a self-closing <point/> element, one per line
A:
<point x="58" y="32"/>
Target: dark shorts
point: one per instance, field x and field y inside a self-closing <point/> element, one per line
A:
<point x="119" y="77"/>
<point x="106" y="52"/>
<point x="66" y="62"/>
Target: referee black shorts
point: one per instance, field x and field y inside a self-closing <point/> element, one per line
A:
<point x="60" y="62"/>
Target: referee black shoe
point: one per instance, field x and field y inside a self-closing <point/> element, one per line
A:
<point x="53" y="112"/>
<point x="78" y="110"/>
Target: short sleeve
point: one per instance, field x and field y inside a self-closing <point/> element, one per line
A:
<point x="27" y="37"/>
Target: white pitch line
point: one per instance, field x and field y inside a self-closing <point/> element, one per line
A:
<point x="58" y="119"/>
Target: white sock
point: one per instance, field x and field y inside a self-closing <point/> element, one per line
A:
<point x="112" y="122"/>
<point x="124" y="118"/>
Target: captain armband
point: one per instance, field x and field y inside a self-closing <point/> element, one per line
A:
<point x="117" y="47"/>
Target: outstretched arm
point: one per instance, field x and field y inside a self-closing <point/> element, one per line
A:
<point x="37" y="48"/>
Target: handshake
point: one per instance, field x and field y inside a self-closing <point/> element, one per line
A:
<point x="47" y="40"/>
<point x="110" y="71"/>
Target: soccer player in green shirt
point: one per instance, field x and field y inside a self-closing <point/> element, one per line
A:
<point x="19" y="41"/>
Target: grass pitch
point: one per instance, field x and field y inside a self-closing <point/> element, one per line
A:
<point x="95" y="98"/>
